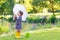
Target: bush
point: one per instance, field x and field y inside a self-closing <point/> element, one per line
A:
<point x="7" y="18"/>
<point x="1" y="30"/>
<point x="33" y="19"/>
<point x="4" y="27"/>
<point x="53" y="19"/>
<point x="48" y="25"/>
<point x="37" y="19"/>
<point x="11" y="19"/>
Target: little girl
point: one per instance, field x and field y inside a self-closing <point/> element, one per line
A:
<point x="18" y="27"/>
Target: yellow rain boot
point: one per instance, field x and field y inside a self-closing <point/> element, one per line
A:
<point x="17" y="34"/>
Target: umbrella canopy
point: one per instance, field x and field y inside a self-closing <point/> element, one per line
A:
<point x="17" y="8"/>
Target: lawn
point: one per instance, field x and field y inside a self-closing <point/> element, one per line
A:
<point x="53" y="34"/>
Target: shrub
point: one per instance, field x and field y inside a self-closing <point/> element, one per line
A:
<point x="1" y="30"/>
<point x="7" y="18"/>
<point x="48" y="25"/>
<point x="10" y="19"/>
<point x="53" y="19"/>
<point x="4" y="27"/>
<point x="37" y="19"/>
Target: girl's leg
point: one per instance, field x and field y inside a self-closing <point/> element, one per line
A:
<point x="18" y="34"/>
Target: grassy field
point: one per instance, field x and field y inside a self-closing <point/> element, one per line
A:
<point x="38" y="34"/>
<point x="53" y="34"/>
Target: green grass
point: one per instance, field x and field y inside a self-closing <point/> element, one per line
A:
<point x="44" y="35"/>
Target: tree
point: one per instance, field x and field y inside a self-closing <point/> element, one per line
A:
<point x="53" y="18"/>
<point x="6" y="6"/>
<point x="52" y="8"/>
<point x="38" y="5"/>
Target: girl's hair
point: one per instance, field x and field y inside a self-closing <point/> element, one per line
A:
<point x="21" y="13"/>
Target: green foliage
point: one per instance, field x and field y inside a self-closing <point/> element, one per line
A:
<point x="7" y="18"/>
<point x="10" y="19"/>
<point x="1" y="30"/>
<point x="53" y="19"/>
<point x="48" y="25"/>
<point x="4" y="29"/>
<point x="36" y="19"/>
<point x="58" y="24"/>
<point x="32" y="6"/>
<point x="4" y="26"/>
<point x="27" y="35"/>
<point x="6" y="6"/>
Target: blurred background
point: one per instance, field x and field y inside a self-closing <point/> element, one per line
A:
<point x="42" y="14"/>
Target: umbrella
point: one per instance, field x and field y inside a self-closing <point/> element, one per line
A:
<point x="17" y="8"/>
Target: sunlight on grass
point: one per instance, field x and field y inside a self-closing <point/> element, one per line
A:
<point x="44" y="35"/>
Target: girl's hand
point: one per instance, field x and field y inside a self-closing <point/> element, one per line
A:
<point x="19" y="14"/>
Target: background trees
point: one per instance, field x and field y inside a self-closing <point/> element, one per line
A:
<point x="32" y="6"/>
<point x="6" y="6"/>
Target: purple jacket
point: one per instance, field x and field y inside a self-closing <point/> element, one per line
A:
<point x="18" y="23"/>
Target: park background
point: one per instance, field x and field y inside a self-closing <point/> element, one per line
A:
<point x="42" y="23"/>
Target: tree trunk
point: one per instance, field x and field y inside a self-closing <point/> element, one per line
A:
<point x="52" y="4"/>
